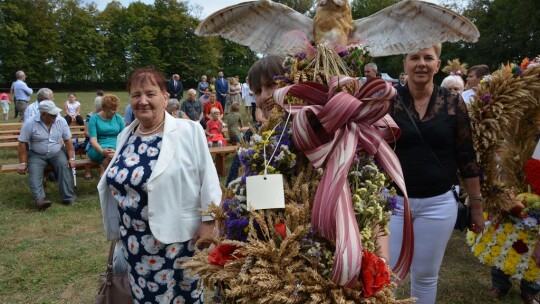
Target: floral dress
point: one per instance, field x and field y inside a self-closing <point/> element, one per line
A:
<point x="155" y="269"/>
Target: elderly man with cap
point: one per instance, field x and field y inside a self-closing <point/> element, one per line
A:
<point x="45" y="135"/>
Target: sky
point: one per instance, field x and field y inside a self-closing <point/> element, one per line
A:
<point x="208" y="6"/>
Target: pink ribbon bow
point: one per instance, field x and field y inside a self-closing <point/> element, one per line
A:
<point x="347" y="122"/>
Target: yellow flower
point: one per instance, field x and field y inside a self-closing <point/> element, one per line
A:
<point x="495" y="251"/>
<point x="488" y="259"/>
<point x="508" y="228"/>
<point x="471" y="237"/>
<point x="501" y="237"/>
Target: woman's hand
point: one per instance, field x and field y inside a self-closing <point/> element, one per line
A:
<point x="477" y="216"/>
<point x="206" y="230"/>
<point x="108" y="153"/>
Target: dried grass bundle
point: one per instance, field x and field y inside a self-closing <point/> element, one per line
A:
<point x="502" y="125"/>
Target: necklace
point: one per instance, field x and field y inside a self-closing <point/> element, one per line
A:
<point x="150" y="132"/>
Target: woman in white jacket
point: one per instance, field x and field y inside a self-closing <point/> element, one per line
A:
<point x="152" y="192"/>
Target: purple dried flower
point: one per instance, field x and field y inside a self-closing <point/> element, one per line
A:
<point x="301" y="55"/>
<point x="485" y="98"/>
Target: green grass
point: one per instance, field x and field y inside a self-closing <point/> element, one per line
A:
<point x="55" y="256"/>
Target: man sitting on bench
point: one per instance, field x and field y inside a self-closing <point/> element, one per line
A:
<point x="45" y="135"/>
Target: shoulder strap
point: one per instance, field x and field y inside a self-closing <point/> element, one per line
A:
<point x="423" y="141"/>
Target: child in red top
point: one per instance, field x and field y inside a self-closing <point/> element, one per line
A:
<point x="4" y="99"/>
<point x="213" y="129"/>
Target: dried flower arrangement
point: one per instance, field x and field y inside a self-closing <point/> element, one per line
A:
<point x="279" y="255"/>
<point x="503" y="115"/>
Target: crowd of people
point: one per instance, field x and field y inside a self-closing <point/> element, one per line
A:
<point x="139" y="185"/>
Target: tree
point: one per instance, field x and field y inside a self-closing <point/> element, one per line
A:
<point x="79" y="40"/>
<point x="236" y="59"/>
<point x="509" y="29"/>
<point x="28" y="39"/>
<point x="364" y="8"/>
<point x="113" y="24"/>
<point x="302" y="6"/>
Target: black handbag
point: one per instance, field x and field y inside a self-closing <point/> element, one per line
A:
<point x="463" y="219"/>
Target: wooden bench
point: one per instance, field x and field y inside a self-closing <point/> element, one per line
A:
<point x="84" y="163"/>
<point x="10" y="126"/>
<point x="15" y="137"/>
<point x="9" y="145"/>
<point x="220" y="154"/>
<point x="16" y="130"/>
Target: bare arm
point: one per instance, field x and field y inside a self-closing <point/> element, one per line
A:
<point x="70" y="152"/>
<point x="472" y="185"/>
<point x="96" y="145"/>
<point x="207" y="131"/>
<point x="22" y="168"/>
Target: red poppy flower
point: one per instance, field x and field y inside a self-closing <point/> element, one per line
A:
<point x="281" y="229"/>
<point x="520" y="247"/>
<point x="222" y="254"/>
<point x="375" y="273"/>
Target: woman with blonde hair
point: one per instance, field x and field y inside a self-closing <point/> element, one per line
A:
<point x="202" y="86"/>
<point x="435" y="144"/>
<point x="234" y="93"/>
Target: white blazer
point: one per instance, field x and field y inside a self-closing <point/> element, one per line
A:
<point x="183" y="182"/>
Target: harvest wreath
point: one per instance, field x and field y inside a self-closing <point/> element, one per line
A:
<point x="505" y="116"/>
<point x="322" y="246"/>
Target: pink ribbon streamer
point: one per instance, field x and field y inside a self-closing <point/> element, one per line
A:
<point x="347" y="123"/>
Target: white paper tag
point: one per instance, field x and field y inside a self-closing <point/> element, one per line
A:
<point x="265" y="191"/>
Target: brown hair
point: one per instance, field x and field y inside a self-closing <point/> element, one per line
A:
<point x="479" y="70"/>
<point x="263" y="72"/>
<point x="109" y="102"/>
<point x="235" y="107"/>
<point x="143" y="75"/>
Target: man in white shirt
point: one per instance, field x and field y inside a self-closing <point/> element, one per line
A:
<point x="476" y="73"/>
<point x="33" y="108"/>
<point x="370" y="71"/>
<point x="21" y="94"/>
<point x="45" y="135"/>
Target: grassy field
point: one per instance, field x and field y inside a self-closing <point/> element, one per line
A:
<point x="56" y="256"/>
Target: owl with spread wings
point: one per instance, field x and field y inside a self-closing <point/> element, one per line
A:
<point x="266" y="26"/>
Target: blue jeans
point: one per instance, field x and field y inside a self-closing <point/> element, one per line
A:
<point x="36" y="166"/>
<point x="501" y="281"/>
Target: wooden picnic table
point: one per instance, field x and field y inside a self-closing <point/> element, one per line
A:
<point x="220" y="154"/>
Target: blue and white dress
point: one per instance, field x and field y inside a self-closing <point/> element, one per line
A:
<point x="155" y="269"/>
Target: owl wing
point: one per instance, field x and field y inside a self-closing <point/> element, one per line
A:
<point x="411" y="25"/>
<point x="261" y="25"/>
